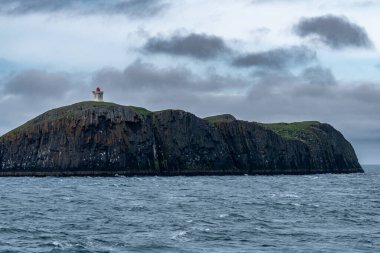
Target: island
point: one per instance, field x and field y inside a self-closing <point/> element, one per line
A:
<point x="107" y="139"/>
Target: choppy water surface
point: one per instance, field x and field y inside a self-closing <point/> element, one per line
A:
<point x="316" y="213"/>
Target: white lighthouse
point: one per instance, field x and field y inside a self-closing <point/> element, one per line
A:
<point x="98" y="94"/>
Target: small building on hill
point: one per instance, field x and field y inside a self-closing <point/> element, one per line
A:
<point x="98" y="94"/>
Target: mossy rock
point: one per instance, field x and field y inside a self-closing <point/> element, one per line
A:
<point x="140" y="110"/>
<point x="298" y="130"/>
<point x="70" y="111"/>
<point x="220" y="118"/>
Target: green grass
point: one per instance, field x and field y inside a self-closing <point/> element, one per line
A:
<point x="296" y="130"/>
<point x="70" y="111"/>
<point x="92" y="103"/>
<point x="140" y="110"/>
<point x="220" y="118"/>
<point x="61" y="112"/>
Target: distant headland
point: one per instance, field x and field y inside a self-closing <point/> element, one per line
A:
<point x="98" y="138"/>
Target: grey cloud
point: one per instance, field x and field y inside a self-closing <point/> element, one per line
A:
<point x="336" y="32"/>
<point x="37" y="84"/>
<point x="280" y="58"/>
<point x="144" y="76"/>
<point x="281" y="96"/>
<point x="139" y="8"/>
<point x="199" y="46"/>
<point x="132" y="8"/>
<point x="140" y="76"/>
<point x="318" y="75"/>
<point x="30" y="93"/>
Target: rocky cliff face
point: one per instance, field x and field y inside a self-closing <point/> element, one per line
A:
<point x="107" y="139"/>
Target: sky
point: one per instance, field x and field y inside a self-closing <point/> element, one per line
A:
<point x="260" y="60"/>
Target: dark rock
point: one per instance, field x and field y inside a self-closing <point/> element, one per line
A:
<point x="106" y="139"/>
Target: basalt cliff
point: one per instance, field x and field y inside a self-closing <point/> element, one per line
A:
<point x="106" y="139"/>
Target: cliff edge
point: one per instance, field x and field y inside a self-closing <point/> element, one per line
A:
<point x="105" y="139"/>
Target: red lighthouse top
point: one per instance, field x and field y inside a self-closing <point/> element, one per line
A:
<point x="97" y="89"/>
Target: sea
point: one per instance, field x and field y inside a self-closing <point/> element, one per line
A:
<point x="312" y="213"/>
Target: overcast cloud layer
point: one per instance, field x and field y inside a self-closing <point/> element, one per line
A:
<point x="208" y="57"/>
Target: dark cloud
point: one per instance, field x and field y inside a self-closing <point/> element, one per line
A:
<point x="37" y="84"/>
<point x="144" y="76"/>
<point x="282" y="96"/>
<point x="280" y="58"/>
<point x="199" y="46"/>
<point x="318" y="76"/>
<point x="139" y="8"/>
<point x="132" y="8"/>
<point x="30" y="93"/>
<point x="336" y="32"/>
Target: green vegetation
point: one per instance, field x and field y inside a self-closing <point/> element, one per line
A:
<point x="296" y="130"/>
<point x="23" y="126"/>
<point x="92" y="103"/>
<point x="71" y="110"/>
<point x="61" y="112"/>
<point x="140" y="110"/>
<point x="220" y="118"/>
